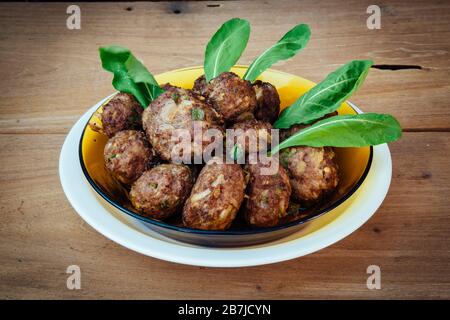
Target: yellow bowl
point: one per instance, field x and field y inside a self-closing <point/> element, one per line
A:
<point x="354" y="164"/>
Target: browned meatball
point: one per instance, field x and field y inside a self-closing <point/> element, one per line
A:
<point x="230" y="95"/>
<point x="254" y="132"/>
<point x="215" y="197"/>
<point x="268" y="101"/>
<point x="174" y="109"/>
<point x="127" y="155"/>
<point x="122" y="112"/>
<point x="168" y="86"/>
<point x="160" y="192"/>
<point x="200" y="85"/>
<point x="313" y="172"/>
<point x="268" y="196"/>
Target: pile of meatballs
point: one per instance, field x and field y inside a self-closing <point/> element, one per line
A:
<point x="212" y="195"/>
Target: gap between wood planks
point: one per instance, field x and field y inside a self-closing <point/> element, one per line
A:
<point x="395" y="67"/>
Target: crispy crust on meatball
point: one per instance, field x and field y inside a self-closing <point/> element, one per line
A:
<point x="127" y="155"/>
<point x="174" y="109"/>
<point x="313" y="172"/>
<point x="257" y="132"/>
<point x="268" y="196"/>
<point x="215" y="197"/>
<point x="230" y="95"/>
<point x="268" y="101"/>
<point x="160" y="192"/>
<point x="200" y="85"/>
<point x="122" y="112"/>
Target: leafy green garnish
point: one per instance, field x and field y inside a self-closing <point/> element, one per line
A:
<point x="327" y="96"/>
<point x="236" y="152"/>
<point x="358" y="130"/>
<point x="225" y="47"/>
<point x="130" y="75"/>
<point x="112" y="156"/>
<point x="287" y="47"/>
<point x="197" y="114"/>
<point x="175" y="96"/>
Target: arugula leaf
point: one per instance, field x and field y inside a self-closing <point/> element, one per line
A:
<point x="225" y="47"/>
<point x="358" y="130"/>
<point x="327" y="96"/>
<point x="130" y="75"/>
<point x="197" y="114"/>
<point x="287" y="47"/>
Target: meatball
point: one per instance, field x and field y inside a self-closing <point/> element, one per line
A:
<point x="160" y="192"/>
<point x="267" y="101"/>
<point x="215" y="198"/>
<point x="313" y="172"/>
<point x="127" y="155"/>
<point x="229" y="95"/>
<point x="167" y="86"/>
<point x="268" y="196"/>
<point x="176" y="109"/>
<point x="122" y="112"/>
<point x="200" y="85"/>
<point x="254" y="132"/>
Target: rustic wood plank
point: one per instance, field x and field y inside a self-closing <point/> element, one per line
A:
<point x="42" y="235"/>
<point x="51" y="75"/>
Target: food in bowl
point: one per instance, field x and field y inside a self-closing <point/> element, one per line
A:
<point x="214" y="195"/>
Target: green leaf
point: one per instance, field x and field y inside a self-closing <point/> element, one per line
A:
<point x="327" y="96"/>
<point x="287" y="47"/>
<point x="130" y="75"/>
<point x="236" y="152"/>
<point x="358" y="130"/>
<point x="225" y="47"/>
<point x="197" y="114"/>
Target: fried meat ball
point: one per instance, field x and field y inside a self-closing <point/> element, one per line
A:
<point x="161" y="191"/>
<point x="215" y="198"/>
<point x="258" y="132"/>
<point x="200" y="85"/>
<point x="228" y="94"/>
<point x="268" y="101"/>
<point x="122" y="112"/>
<point x="313" y="172"/>
<point x="127" y="155"/>
<point x="268" y="196"/>
<point x="174" y="109"/>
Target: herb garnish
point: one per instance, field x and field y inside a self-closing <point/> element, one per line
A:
<point x="130" y="75"/>
<point x="197" y="114"/>
<point x="358" y="130"/>
<point x="326" y="96"/>
<point x="225" y="47"/>
<point x="287" y="47"/>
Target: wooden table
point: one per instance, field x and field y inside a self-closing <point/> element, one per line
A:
<point x="50" y="75"/>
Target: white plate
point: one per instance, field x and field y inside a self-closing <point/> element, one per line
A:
<point x="134" y="235"/>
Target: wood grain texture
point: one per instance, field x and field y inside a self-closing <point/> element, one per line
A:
<point x="51" y="75"/>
